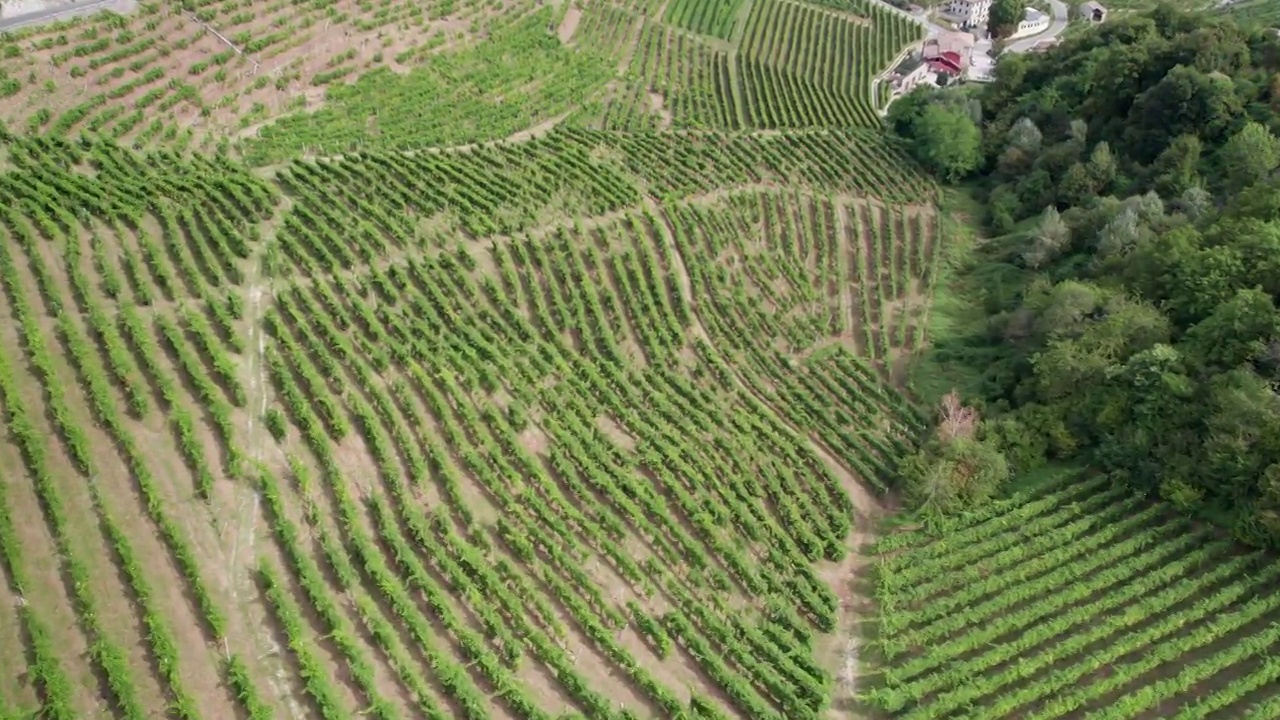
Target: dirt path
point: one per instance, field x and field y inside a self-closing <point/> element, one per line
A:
<point x="248" y="501"/>
<point x="839" y="651"/>
<point x="866" y="504"/>
<point x="568" y="26"/>
<point x="658" y="106"/>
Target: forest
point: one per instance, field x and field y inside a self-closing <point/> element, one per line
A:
<point x="1128" y="288"/>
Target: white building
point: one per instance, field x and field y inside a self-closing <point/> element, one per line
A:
<point x="1095" y="12"/>
<point x="1033" y="22"/>
<point x="969" y="13"/>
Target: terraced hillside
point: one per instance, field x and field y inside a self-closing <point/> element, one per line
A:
<point x="566" y="425"/>
<point x="209" y="73"/>
<point x="507" y="360"/>
<point x="354" y="74"/>
<point x="761" y="64"/>
<point x="1077" y="600"/>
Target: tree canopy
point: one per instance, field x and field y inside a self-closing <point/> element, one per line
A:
<point x="1005" y="16"/>
<point x="945" y="135"/>
<point x="1132" y="190"/>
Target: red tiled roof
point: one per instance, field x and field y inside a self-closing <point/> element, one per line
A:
<point x="944" y="65"/>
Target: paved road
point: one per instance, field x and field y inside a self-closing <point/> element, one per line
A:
<point x="54" y="13"/>
<point x="1059" y="23"/>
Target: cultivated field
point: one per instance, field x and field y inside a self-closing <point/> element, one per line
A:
<point x="761" y="64"/>
<point x="1077" y="600"/>
<point x="550" y="364"/>
<point x="566" y="425"/>
<point x="206" y="74"/>
<point x="211" y="74"/>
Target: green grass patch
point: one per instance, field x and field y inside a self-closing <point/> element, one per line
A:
<point x="520" y="76"/>
<point x="956" y="316"/>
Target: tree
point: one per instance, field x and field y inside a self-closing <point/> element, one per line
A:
<point x="1260" y="200"/>
<point x="947" y="141"/>
<point x="1065" y="308"/>
<point x="1014" y="162"/>
<point x="1145" y="337"/>
<point x="1237" y="331"/>
<point x="1002" y="205"/>
<point x="1078" y="135"/>
<point x="1195" y="202"/>
<point x="1102" y="167"/>
<point x="1005" y="16"/>
<point x="955" y="470"/>
<point x="1076" y="186"/>
<point x="1051" y="238"/>
<point x="1185" y="101"/>
<point x="1176" y="169"/>
<point x="1248" y="157"/>
<point x="904" y="111"/>
<point x="1025" y="136"/>
<point x="1148" y="206"/>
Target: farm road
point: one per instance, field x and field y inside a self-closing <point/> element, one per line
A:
<point x="61" y="11"/>
<point x="1060" y="10"/>
<point x="1056" y="26"/>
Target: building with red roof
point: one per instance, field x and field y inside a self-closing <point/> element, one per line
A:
<point x="949" y="52"/>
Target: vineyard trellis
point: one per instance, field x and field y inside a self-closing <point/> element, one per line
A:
<point x="547" y="361"/>
<point x="500" y="400"/>
<point x="1016" y="610"/>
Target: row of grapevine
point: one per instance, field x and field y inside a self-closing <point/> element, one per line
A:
<point x="753" y="304"/>
<point x="508" y="188"/>
<point x="706" y="17"/>
<point x="796" y="66"/>
<point x="145" y="76"/>
<point x="509" y="476"/>
<point x="64" y="232"/>
<point x="518" y="77"/>
<point x="1077" y="599"/>
<point x="677" y="81"/>
<point x="801" y="66"/>
<point x="437" y="371"/>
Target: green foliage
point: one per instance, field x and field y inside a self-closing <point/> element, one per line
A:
<point x="948" y="142"/>
<point x="1248" y="157"/>
<point x="1146" y="330"/>
<point x="709" y="17"/>
<point x="1005" y="16"/>
<point x="941" y="130"/>
<point x="945" y="477"/>
<point x="522" y="74"/>
<point x="276" y="424"/>
<point x="1073" y="597"/>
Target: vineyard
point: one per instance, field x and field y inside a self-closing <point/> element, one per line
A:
<point x="766" y="64"/>
<point x="519" y="360"/>
<point x="210" y="73"/>
<point x="270" y="81"/>
<point x="1077" y="600"/>
<point x="472" y="445"/>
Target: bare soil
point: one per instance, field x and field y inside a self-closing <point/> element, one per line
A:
<point x="616" y="433"/>
<point x="265" y="82"/>
<point x="658" y="106"/>
<point x="572" y="16"/>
